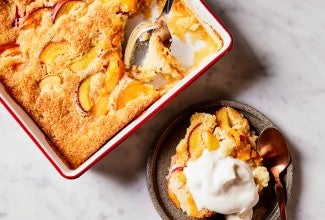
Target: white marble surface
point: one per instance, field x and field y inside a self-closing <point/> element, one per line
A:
<point x="276" y="65"/>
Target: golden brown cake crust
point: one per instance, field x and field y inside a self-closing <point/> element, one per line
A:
<point x="47" y="84"/>
<point x="7" y="32"/>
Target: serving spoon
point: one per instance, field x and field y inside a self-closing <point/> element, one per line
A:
<point x="138" y="43"/>
<point x="273" y="148"/>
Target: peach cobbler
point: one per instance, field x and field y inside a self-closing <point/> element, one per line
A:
<point x="62" y="61"/>
<point x="216" y="168"/>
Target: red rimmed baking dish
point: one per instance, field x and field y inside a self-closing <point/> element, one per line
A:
<point x="39" y="138"/>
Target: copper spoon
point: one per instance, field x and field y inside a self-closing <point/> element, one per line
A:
<point x="273" y="148"/>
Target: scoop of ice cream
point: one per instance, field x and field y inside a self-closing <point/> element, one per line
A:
<point x="220" y="183"/>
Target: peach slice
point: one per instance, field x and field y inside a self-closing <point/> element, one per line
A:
<point x="232" y="132"/>
<point x="19" y="66"/>
<point x="175" y="182"/>
<point x="174" y="198"/>
<point x="177" y="169"/>
<point x="9" y="49"/>
<point x="34" y="18"/>
<point x="16" y="17"/>
<point x="65" y="7"/>
<point x="6" y="46"/>
<point x="113" y="75"/>
<point x="222" y="118"/>
<point x="50" y="81"/>
<point x="244" y="153"/>
<point x="101" y="105"/>
<point x="53" y="50"/>
<point x="134" y="90"/>
<point x="195" y="142"/>
<point x="84" y="98"/>
<point x="129" y="6"/>
<point x="81" y="64"/>
<point x="11" y="52"/>
<point x="223" y="123"/>
<point x="117" y="39"/>
<point x="193" y="210"/>
<point x="210" y="141"/>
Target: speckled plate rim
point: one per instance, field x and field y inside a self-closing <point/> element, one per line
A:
<point x="258" y="120"/>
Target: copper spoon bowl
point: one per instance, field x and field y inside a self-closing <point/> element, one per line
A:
<point x="273" y="148"/>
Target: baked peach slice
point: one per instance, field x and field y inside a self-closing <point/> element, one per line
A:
<point x="16" y="17"/>
<point x="222" y="118"/>
<point x="9" y="49"/>
<point x="53" y="50"/>
<point x="19" y="66"/>
<point x="100" y="106"/>
<point x="6" y="46"/>
<point x="84" y="99"/>
<point x="34" y="18"/>
<point x="223" y="123"/>
<point x="133" y="90"/>
<point x="195" y="145"/>
<point x="244" y="152"/>
<point x="66" y="6"/>
<point x="50" y="81"/>
<point x="129" y="6"/>
<point x="114" y="73"/>
<point x="210" y="141"/>
<point x="82" y="63"/>
<point x="176" y="181"/>
<point x="14" y="51"/>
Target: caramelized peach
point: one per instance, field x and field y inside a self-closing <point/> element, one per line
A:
<point x="222" y="118"/>
<point x="19" y="66"/>
<point x="194" y="145"/>
<point x="101" y="105"/>
<point x="134" y="90"/>
<point x="114" y="72"/>
<point x="65" y="7"/>
<point x="16" y="17"/>
<point x="50" y="81"/>
<point x="83" y="62"/>
<point x="175" y="182"/>
<point x="53" y="50"/>
<point x="223" y="123"/>
<point x="34" y="18"/>
<point x="84" y="98"/>
<point x="210" y="141"/>
<point x="129" y="6"/>
<point x="9" y="49"/>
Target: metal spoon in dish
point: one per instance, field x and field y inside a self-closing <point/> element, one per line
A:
<point x="137" y="45"/>
<point x="273" y="148"/>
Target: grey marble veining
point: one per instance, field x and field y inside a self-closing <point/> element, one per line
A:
<point x="276" y="65"/>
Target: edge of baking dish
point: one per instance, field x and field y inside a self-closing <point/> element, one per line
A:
<point x="203" y="11"/>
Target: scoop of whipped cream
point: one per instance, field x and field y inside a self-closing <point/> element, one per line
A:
<point x="222" y="184"/>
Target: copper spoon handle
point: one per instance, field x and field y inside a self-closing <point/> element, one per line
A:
<point x="280" y="197"/>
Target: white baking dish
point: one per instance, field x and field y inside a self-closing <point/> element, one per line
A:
<point x="34" y="132"/>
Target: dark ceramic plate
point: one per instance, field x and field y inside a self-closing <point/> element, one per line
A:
<point x="164" y="147"/>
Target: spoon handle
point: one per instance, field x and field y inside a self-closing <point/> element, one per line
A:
<point x="167" y="7"/>
<point x="280" y="197"/>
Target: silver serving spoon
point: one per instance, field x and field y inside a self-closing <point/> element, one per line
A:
<point x="137" y="45"/>
<point x="273" y="148"/>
